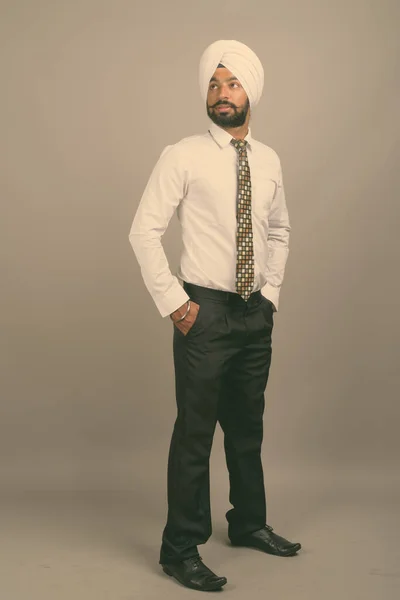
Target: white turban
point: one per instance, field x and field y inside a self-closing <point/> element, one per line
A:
<point x="240" y="60"/>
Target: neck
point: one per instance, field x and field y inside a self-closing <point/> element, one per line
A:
<point x="239" y="133"/>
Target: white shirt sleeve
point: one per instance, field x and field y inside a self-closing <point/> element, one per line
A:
<point x="278" y="244"/>
<point x="165" y="189"/>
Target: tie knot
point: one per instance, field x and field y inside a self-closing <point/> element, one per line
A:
<point x="239" y="144"/>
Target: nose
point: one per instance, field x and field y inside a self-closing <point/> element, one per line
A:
<point x="223" y="93"/>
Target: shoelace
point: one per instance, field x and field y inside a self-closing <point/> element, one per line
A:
<point x="194" y="561"/>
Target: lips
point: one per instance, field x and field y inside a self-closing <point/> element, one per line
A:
<point x="221" y="107"/>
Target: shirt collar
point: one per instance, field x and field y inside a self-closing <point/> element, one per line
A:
<point x="223" y="138"/>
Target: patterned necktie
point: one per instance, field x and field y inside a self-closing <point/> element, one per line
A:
<point x="244" y="233"/>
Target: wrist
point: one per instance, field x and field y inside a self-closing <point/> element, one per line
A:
<point x="181" y="313"/>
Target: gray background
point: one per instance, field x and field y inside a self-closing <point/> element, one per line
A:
<point x="92" y="92"/>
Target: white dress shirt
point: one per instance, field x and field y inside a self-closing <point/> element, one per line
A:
<point x="197" y="177"/>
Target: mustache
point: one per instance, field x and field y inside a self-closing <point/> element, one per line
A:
<point x="223" y="104"/>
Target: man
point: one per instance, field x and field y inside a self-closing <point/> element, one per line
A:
<point x="227" y="190"/>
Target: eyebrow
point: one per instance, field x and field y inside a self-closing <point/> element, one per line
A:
<point x="229" y="79"/>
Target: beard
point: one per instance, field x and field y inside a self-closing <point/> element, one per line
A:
<point x="236" y="119"/>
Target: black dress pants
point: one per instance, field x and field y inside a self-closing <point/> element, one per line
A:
<point x="221" y="371"/>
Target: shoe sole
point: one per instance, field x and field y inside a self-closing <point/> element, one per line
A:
<point x="292" y="552"/>
<point x="211" y="588"/>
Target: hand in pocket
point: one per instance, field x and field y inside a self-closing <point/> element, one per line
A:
<point x="186" y="325"/>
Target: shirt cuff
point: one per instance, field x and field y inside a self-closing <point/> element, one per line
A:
<point x="171" y="301"/>
<point x="272" y="294"/>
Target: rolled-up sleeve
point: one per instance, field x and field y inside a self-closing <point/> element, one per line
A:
<point x="165" y="189"/>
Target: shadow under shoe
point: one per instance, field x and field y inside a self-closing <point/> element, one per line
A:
<point x="194" y="574"/>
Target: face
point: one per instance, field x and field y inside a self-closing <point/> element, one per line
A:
<point x="227" y="102"/>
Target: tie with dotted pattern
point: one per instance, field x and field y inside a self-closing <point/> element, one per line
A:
<point x="244" y="233"/>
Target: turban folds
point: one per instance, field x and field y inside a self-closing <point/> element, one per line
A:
<point x="240" y="60"/>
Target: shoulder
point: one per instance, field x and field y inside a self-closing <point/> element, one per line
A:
<point x="183" y="148"/>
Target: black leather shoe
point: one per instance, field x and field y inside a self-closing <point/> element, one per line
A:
<point x="264" y="539"/>
<point x="194" y="574"/>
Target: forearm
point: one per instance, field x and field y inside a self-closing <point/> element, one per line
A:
<point x="277" y="258"/>
<point x="164" y="288"/>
